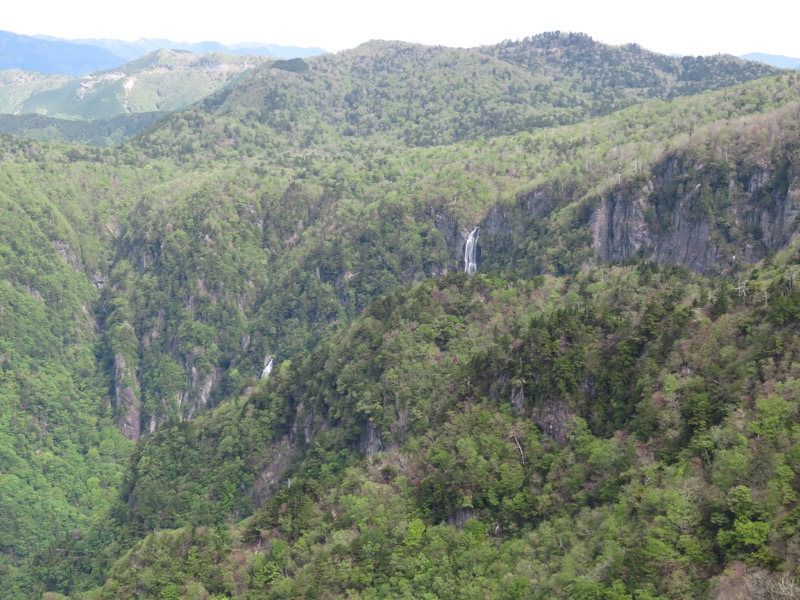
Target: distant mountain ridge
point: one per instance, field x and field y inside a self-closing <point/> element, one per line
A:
<point x="550" y="79"/>
<point x="164" y="80"/>
<point x="58" y="56"/>
<point x="53" y="56"/>
<point x="546" y="80"/>
<point x="776" y="60"/>
<point x="132" y="50"/>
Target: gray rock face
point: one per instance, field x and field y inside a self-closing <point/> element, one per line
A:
<point x="554" y="418"/>
<point x="68" y="254"/>
<point x="455" y="237"/>
<point x="676" y="218"/>
<point x="620" y="230"/>
<point x="712" y="219"/>
<point x="370" y="442"/>
<point x="449" y="228"/>
<point x="197" y="396"/>
<point x="128" y="404"/>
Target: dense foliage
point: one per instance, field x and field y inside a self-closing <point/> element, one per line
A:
<point x="97" y="132"/>
<point x="480" y="436"/>
<point x="608" y="409"/>
<point x="61" y="455"/>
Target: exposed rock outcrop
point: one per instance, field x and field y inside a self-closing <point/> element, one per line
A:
<point x="68" y="254"/>
<point x="679" y="217"/>
<point x="129" y="406"/>
<point x="710" y="217"/>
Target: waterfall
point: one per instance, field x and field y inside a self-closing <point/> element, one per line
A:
<point x="471" y="252"/>
<point x="267" y="368"/>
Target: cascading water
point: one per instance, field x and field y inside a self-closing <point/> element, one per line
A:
<point x="471" y="252"/>
<point x="267" y="367"/>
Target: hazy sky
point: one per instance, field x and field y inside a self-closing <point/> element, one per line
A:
<point x="675" y="26"/>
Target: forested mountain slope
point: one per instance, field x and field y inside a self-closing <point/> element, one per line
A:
<point x="432" y="95"/>
<point x="422" y="95"/>
<point x="613" y="77"/>
<point x="108" y="107"/>
<point x="573" y="428"/>
<point x="164" y="80"/>
<point x="17" y="85"/>
<point x="61" y="456"/>
<point x="314" y="234"/>
<point x="478" y="436"/>
<point x="97" y="132"/>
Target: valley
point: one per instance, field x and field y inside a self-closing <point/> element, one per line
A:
<point x="529" y="312"/>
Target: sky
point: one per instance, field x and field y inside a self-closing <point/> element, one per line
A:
<point x="677" y="26"/>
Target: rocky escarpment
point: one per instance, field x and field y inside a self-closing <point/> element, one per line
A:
<point x="455" y="235"/>
<point x="688" y="214"/>
<point x="705" y="210"/>
<point x="126" y="394"/>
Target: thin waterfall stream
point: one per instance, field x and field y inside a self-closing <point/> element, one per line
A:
<point x="471" y="252"/>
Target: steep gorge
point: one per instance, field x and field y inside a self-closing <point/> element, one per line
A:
<point x="480" y="386"/>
